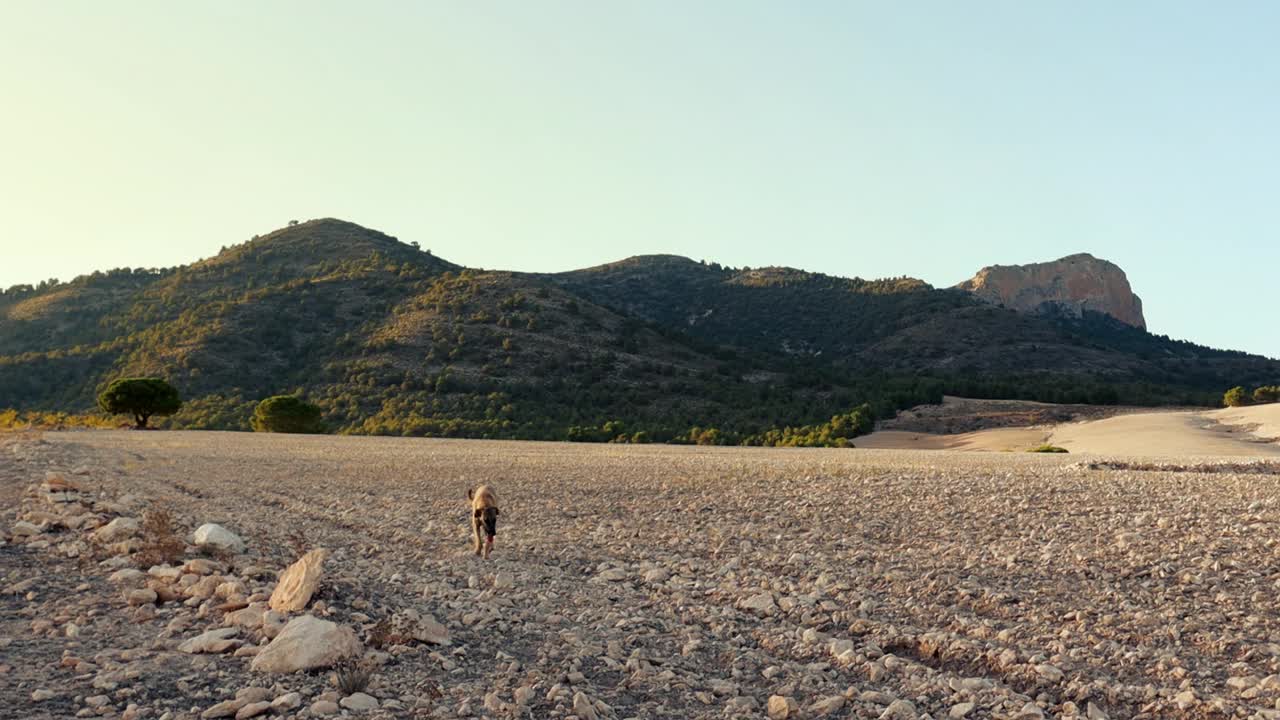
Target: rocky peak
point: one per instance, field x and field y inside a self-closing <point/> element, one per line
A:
<point x="1072" y="284"/>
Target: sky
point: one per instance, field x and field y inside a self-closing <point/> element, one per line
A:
<point x="921" y="138"/>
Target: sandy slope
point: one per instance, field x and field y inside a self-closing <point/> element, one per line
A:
<point x="1250" y="432"/>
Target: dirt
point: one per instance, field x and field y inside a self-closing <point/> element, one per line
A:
<point x="663" y="582"/>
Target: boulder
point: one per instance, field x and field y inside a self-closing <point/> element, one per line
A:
<point x="306" y="643"/>
<point x="299" y="582"/>
<point x="216" y="536"/>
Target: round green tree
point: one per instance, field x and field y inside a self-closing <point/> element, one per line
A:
<point x="141" y="398"/>
<point x="287" y="414"/>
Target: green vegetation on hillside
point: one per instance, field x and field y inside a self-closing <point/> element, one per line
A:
<point x="386" y="338"/>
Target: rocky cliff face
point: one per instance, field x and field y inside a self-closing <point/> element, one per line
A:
<point x="1073" y="284"/>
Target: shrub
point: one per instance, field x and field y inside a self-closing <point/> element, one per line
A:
<point x="1236" y="397"/>
<point x="161" y="543"/>
<point x="141" y="398"/>
<point x="1048" y="449"/>
<point x="1267" y="394"/>
<point x="287" y="414"/>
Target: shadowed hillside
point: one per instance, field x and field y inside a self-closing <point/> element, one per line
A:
<point x="388" y="338"/>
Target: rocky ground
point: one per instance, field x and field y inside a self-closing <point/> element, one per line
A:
<point x="628" y="582"/>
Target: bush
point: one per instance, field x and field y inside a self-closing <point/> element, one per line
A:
<point x="287" y="414"/>
<point x="141" y="398"/>
<point x="1267" y="394"/>
<point x="1048" y="449"/>
<point x="1236" y="397"/>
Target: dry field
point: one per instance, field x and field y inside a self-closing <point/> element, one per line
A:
<point x="648" y="582"/>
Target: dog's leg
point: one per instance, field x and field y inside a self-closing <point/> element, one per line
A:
<point x="475" y="525"/>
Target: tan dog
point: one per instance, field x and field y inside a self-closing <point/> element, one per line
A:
<point x="484" y="518"/>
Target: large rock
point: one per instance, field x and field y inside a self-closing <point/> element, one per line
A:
<point x="216" y="536"/>
<point x="299" y="582"/>
<point x="307" y="642"/>
<point x="1074" y="284"/>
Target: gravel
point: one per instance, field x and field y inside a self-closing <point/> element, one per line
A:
<point x="647" y="581"/>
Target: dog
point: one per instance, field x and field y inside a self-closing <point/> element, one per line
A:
<point x="484" y="518"/>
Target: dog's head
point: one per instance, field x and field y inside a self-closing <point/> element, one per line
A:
<point x="488" y="516"/>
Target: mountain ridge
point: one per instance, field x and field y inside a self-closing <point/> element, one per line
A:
<point x="387" y="337"/>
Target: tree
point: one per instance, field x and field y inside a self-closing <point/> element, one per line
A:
<point x="141" y="398"/>
<point x="287" y="414"/>
<point x="1236" y="397"/>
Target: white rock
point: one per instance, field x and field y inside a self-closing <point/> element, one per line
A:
<point x="307" y="642"/>
<point x="119" y="529"/>
<point x="212" y="535"/>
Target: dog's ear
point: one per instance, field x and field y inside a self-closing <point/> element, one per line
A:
<point x="470" y="491"/>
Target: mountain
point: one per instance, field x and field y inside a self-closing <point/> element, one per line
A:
<point x="388" y="338"/>
<point x="1074" y="284"/>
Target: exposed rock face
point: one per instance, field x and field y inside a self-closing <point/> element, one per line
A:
<point x="1073" y="284"/>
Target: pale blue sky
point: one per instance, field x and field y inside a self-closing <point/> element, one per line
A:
<point x="853" y="138"/>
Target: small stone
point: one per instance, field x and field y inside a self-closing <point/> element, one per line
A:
<point x="127" y="576"/>
<point x="122" y="528"/>
<point x="826" y="706"/>
<point x="961" y="710"/>
<point x="324" y="707"/>
<point x="504" y="581"/>
<point x="22" y="528"/>
<point x="359" y="702"/>
<point x="253" y="709"/>
<point x="141" y="596"/>
<point x="41" y="695"/>
<point x="253" y="694"/>
<point x="612" y="575"/>
<point x="286" y="702"/>
<point x="583" y="708"/>
<point x="761" y="604"/>
<point x="213" y="641"/>
<point x="899" y="710"/>
<point x="781" y="707"/>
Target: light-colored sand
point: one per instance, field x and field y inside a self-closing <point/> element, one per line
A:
<point x="1242" y="432"/>
<point x="995" y="440"/>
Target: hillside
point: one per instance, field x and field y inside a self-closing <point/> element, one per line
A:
<point x="388" y="338"/>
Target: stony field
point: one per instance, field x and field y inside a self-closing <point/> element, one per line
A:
<point x="629" y="582"/>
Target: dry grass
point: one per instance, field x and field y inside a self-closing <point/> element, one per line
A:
<point x="353" y="676"/>
<point x="161" y="542"/>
